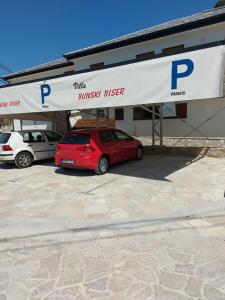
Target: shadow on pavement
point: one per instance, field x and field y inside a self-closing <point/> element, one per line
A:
<point x="74" y="172"/>
<point x="154" y="167"/>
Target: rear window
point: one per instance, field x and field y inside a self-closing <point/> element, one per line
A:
<point x="76" y="139"/>
<point x="4" y="137"/>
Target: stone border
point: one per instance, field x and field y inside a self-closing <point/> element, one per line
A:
<point x="196" y="152"/>
<point x="186" y="141"/>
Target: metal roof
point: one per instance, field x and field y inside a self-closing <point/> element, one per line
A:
<point x="52" y="65"/>
<point x="194" y="21"/>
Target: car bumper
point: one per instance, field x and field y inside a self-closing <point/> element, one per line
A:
<point x="6" y="157"/>
<point x="81" y="163"/>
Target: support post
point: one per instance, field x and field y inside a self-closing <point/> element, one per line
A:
<point x="153" y="126"/>
<point x="97" y="119"/>
<point x="68" y="120"/>
<point x="107" y="117"/>
<point x="161" y="124"/>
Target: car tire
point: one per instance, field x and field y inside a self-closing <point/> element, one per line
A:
<point x="23" y="160"/>
<point x="139" y="153"/>
<point x="103" y="165"/>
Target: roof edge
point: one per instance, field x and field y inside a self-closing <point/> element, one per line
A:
<point x="41" y="69"/>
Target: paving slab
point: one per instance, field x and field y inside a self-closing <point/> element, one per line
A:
<point x="153" y="229"/>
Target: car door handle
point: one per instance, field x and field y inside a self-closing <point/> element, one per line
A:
<point x="51" y="144"/>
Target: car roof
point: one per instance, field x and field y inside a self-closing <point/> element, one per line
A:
<point x="8" y="132"/>
<point x="89" y="130"/>
<point x="26" y="130"/>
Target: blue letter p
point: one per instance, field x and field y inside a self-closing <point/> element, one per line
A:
<point x="45" y="91"/>
<point x="175" y="75"/>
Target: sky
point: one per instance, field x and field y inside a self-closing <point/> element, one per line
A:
<point x="37" y="31"/>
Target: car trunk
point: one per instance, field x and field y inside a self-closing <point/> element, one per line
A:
<point x="75" y="145"/>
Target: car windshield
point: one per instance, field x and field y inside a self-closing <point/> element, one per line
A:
<point x="4" y="137"/>
<point x="76" y="139"/>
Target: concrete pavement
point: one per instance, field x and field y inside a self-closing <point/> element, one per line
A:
<point x="146" y="230"/>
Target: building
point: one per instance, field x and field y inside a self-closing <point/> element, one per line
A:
<point x="198" y="121"/>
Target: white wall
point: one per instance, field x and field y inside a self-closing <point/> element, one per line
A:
<point x="197" y="112"/>
<point x="32" y="124"/>
<point x="189" y="38"/>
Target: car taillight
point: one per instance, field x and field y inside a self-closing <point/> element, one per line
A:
<point x="7" y="148"/>
<point x="57" y="147"/>
<point x="81" y="148"/>
<point x="90" y="149"/>
<point x="87" y="148"/>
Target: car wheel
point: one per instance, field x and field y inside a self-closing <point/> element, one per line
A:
<point x="23" y="160"/>
<point x="139" y="153"/>
<point x="103" y="165"/>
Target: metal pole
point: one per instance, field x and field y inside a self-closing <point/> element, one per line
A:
<point x="107" y="117"/>
<point x="161" y="124"/>
<point x="153" y="125"/>
<point x="68" y="119"/>
<point x="97" y="119"/>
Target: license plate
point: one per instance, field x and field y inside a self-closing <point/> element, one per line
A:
<point x="67" y="161"/>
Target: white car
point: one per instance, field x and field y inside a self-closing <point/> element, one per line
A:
<point x="23" y="147"/>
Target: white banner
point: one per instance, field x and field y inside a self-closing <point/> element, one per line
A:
<point x="187" y="76"/>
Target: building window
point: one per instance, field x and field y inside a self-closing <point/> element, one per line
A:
<point x="119" y="114"/>
<point x="97" y="66"/>
<point x="146" y="55"/>
<point x="181" y="110"/>
<point x="173" y="49"/>
<point x="175" y="110"/>
<point x="69" y="72"/>
<point x="140" y="113"/>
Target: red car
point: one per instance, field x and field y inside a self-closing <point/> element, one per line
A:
<point x="96" y="149"/>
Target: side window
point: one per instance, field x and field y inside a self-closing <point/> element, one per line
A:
<point x="140" y="113"/>
<point x="52" y="136"/>
<point x="33" y="137"/>
<point x="107" y="136"/>
<point x="121" y="136"/>
<point x="26" y="137"/>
